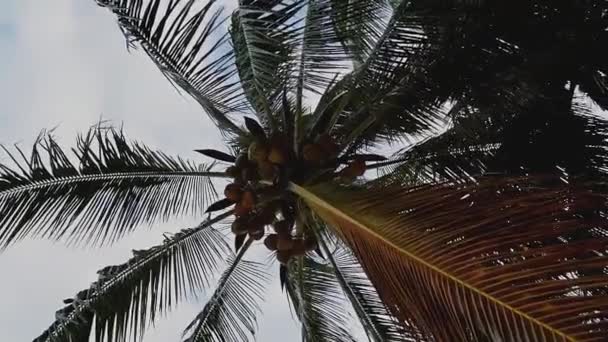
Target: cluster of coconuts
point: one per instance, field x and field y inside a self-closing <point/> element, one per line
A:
<point x="258" y="203"/>
<point x="259" y="199"/>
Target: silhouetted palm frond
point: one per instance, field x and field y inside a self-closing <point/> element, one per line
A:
<point x="263" y="44"/>
<point x="128" y="297"/>
<point x="188" y="44"/>
<point x="230" y="313"/>
<point x="114" y="186"/>
<point x="318" y="300"/>
<point x="376" y="319"/>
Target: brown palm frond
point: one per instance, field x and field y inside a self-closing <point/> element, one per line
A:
<point x="510" y="259"/>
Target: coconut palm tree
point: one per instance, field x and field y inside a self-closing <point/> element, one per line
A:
<point x="488" y="225"/>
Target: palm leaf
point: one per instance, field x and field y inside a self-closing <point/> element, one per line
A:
<point x="183" y="40"/>
<point x="317" y="298"/>
<point x="230" y="314"/>
<point x="128" y="297"/>
<point x="387" y="98"/>
<point x="115" y="186"/>
<point x="375" y="317"/>
<point x="530" y="141"/>
<point x="358" y="23"/>
<point x="502" y="259"/>
<point x="263" y="44"/>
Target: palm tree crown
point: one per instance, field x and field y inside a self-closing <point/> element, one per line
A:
<point x="488" y="224"/>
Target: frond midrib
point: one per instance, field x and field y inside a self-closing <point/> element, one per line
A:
<point x="108" y="176"/>
<point x="311" y="197"/>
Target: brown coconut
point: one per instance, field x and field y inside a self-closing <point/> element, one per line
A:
<point x="267" y="170"/>
<point x="257" y="151"/>
<point x="233" y="192"/>
<point x="248" y="199"/>
<point x="240" y="210"/>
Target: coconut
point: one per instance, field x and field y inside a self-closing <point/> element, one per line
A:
<point x="355" y="169"/>
<point x="271" y="242"/>
<point x="277" y="155"/>
<point x="242" y="161"/>
<point x="233" y="192"/>
<point x="267" y="170"/>
<point x="257" y="151"/>
<point x="240" y="210"/>
<point x="248" y="199"/>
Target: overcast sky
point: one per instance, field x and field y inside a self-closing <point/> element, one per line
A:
<point x="63" y="64"/>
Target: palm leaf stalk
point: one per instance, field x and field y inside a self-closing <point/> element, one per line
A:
<point x="491" y="229"/>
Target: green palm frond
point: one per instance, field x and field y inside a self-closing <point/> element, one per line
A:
<point x="187" y="44"/>
<point x="358" y="23"/>
<point x="114" y="186"/>
<point x="387" y="100"/>
<point x="128" y="297"/>
<point x="376" y="319"/>
<point x="318" y="301"/>
<point x="262" y="40"/>
<point x="230" y="313"/>
<point x="484" y="141"/>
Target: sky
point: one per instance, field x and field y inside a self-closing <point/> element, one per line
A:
<point x="63" y="65"/>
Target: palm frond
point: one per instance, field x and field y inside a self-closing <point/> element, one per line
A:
<point x="502" y="259"/>
<point x="318" y="301"/>
<point x="387" y="100"/>
<point x="262" y="40"/>
<point x="374" y="316"/>
<point x="128" y="297"/>
<point x="115" y="185"/>
<point x="230" y="314"/>
<point x="530" y="141"/>
<point x="184" y="41"/>
<point x="358" y="24"/>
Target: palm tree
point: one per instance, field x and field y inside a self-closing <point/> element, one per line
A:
<point x="492" y="229"/>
